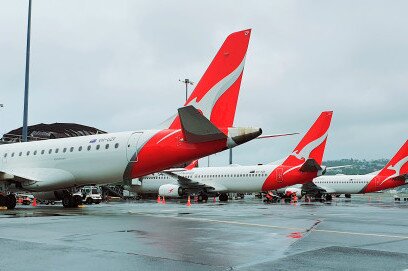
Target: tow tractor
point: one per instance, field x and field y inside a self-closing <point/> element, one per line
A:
<point x="90" y="194"/>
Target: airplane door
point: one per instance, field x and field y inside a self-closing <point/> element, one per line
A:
<point x="132" y="146"/>
<point x="377" y="181"/>
<point x="279" y="175"/>
<point x="5" y="156"/>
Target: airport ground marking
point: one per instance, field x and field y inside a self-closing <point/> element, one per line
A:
<point x="313" y="229"/>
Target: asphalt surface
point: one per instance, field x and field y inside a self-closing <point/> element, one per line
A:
<point x="364" y="233"/>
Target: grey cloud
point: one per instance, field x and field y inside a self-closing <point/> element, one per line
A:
<point x="116" y="64"/>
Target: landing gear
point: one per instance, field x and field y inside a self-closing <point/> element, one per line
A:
<point x="318" y="197"/>
<point x="329" y="197"/>
<point x="89" y="201"/>
<point x="223" y="197"/>
<point x="8" y="201"/>
<point x="202" y="197"/>
<point x="69" y="201"/>
<point x="348" y="196"/>
<point x="12" y="201"/>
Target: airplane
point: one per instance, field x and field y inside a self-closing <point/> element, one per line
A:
<point x="301" y="166"/>
<point x="394" y="174"/>
<point x="202" y="127"/>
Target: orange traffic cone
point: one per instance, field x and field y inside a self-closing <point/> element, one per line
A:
<point x="164" y="200"/>
<point x="20" y="201"/>
<point x="158" y="199"/>
<point x="215" y="199"/>
<point x="34" y="202"/>
<point x="188" y="201"/>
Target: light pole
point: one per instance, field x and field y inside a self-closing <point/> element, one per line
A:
<point x="27" y="75"/>
<point x="187" y="82"/>
<point x="1" y="107"/>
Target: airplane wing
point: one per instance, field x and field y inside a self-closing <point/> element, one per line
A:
<point x="187" y="182"/>
<point x="35" y="177"/>
<point x="312" y="188"/>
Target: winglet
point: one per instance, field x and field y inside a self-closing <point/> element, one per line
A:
<point x="196" y="128"/>
<point x="192" y="165"/>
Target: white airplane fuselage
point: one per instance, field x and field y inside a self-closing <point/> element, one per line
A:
<point x="230" y="179"/>
<point x="344" y="184"/>
<point x="78" y="156"/>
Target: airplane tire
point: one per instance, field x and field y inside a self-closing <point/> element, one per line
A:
<point x="89" y="201"/>
<point x="12" y="201"/>
<point x="329" y="197"/>
<point x="348" y="196"/>
<point x="77" y="200"/>
<point x="223" y="197"/>
<point x="68" y="201"/>
<point x="3" y="201"/>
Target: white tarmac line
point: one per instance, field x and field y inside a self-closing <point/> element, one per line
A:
<point x="276" y="227"/>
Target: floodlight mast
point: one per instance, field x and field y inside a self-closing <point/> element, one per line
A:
<point x="27" y="76"/>
<point x="187" y="82"/>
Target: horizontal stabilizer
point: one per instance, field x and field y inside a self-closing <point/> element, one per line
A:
<point x="310" y="166"/>
<point x="402" y="177"/>
<point x="196" y="128"/>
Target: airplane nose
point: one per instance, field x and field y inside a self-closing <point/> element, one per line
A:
<point x="240" y="135"/>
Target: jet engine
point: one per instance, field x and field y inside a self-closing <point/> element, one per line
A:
<point x="171" y="190"/>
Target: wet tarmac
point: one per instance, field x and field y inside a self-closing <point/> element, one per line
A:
<point x="364" y="233"/>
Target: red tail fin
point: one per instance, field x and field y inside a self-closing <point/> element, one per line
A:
<point x="216" y="94"/>
<point x="387" y="177"/>
<point x="398" y="165"/>
<point x="313" y="143"/>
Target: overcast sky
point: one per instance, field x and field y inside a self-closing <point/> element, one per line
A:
<point x="115" y="65"/>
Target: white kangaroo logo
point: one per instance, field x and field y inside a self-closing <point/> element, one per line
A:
<point x="304" y="153"/>
<point x="207" y="103"/>
<point x="397" y="168"/>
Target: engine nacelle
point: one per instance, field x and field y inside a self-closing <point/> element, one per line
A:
<point x="293" y="190"/>
<point x="171" y="190"/>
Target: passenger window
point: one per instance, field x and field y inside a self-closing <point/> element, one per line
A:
<point x="116" y="145"/>
<point x="28" y="153"/>
<point x="56" y="150"/>
<point x="98" y="146"/>
<point x="71" y="149"/>
<point x="89" y="148"/>
<point x="64" y="150"/>
<point x="35" y="152"/>
<point x="107" y="146"/>
<point x="49" y="151"/>
<point x="20" y="154"/>
<point x="12" y="155"/>
<point x="42" y="152"/>
<point x="80" y="148"/>
<point x="5" y="155"/>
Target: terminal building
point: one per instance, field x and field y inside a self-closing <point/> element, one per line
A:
<point x="50" y="131"/>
